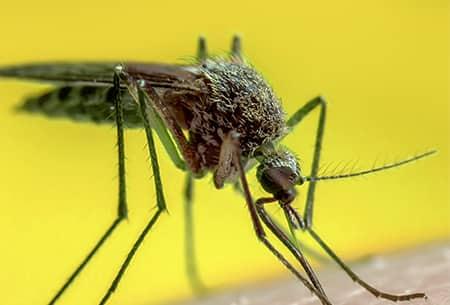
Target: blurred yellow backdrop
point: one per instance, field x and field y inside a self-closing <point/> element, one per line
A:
<point x="382" y="65"/>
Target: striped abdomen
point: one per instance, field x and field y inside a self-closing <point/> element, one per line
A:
<point x="83" y="103"/>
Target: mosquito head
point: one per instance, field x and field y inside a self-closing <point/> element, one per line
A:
<point x="278" y="173"/>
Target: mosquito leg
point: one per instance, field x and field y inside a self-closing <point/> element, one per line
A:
<point x="122" y="205"/>
<point x="292" y="122"/>
<point x="191" y="262"/>
<point x="202" y="50"/>
<point x="309" y="251"/>
<point x="357" y="279"/>
<point x="189" y="242"/>
<point x="268" y="221"/>
<point x="161" y="130"/>
<point x="161" y="204"/>
<point x="296" y="118"/>
<point x="236" y="49"/>
<point x="158" y="124"/>
<point x="156" y="105"/>
<point x="260" y="231"/>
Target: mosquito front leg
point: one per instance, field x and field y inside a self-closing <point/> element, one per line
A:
<point x="292" y="122"/>
<point x="122" y="204"/>
<point x="278" y="232"/>
<point x="296" y="118"/>
<point x="357" y="279"/>
<point x="161" y="203"/>
<point x="259" y="230"/>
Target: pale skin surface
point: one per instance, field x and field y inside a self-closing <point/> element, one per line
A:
<point x="425" y="268"/>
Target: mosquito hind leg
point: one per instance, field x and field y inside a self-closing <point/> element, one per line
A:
<point x="357" y="279"/>
<point x="295" y="119"/>
<point x="161" y="204"/>
<point x="122" y="210"/>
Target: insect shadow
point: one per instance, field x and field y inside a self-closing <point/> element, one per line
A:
<point x="217" y="115"/>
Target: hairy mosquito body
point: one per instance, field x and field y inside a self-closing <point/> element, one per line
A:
<point x="216" y="115"/>
<point x="218" y="96"/>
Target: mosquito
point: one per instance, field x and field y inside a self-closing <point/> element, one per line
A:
<point x="216" y="115"/>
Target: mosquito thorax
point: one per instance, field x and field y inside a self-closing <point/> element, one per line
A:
<point x="239" y="99"/>
<point x="278" y="173"/>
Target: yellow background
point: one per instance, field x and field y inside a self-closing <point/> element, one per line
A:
<point x="382" y="65"/>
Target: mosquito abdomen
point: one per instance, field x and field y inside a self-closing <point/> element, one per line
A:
<point x="83" y="103"/>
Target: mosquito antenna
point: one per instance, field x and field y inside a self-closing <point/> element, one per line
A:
<point x="373" y="170"/>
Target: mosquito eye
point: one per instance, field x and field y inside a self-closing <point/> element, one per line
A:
<point x="276" y="179"/>
<point x="268" y="182"/>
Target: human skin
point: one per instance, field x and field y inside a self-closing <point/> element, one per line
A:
<point x="423" y="269"/>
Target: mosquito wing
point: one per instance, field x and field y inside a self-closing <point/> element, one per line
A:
<point x="101" y="73"/>
<point x="79" y="73"/>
